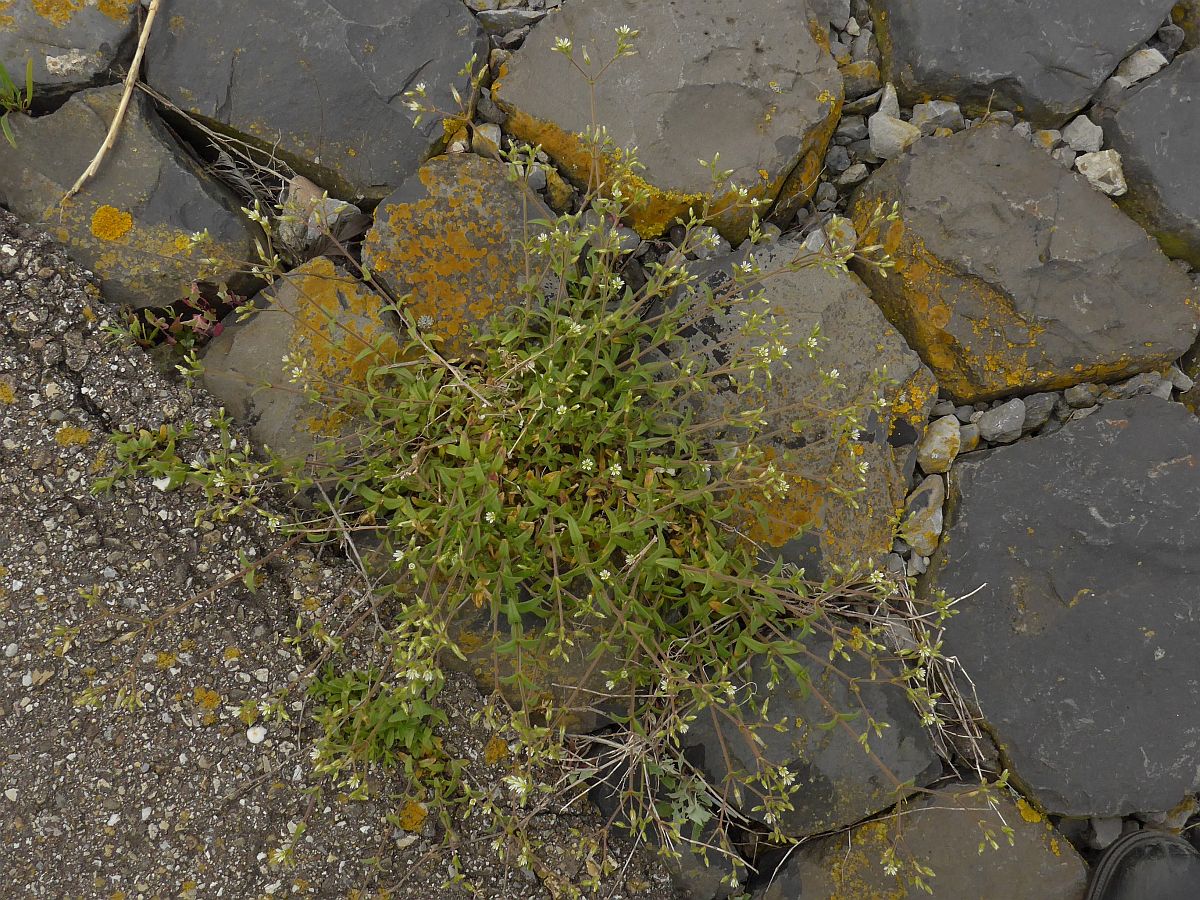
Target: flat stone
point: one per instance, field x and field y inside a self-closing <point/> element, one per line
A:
<point x="1139" y="65"/>
<point x="923" y="519"/>
<point x="452" y="238"/>
<point x="1083" y="135"/>
<point x="1081" y="641"/>
<point x="941" y="831"/>
<point x="502" y="21"/>
<point x="1048" y="138"/>
<point x="1042" y="60"/>
<point x="1038" y="408"/>
<point x="1003" y="424"/>
<point x="938" y="114"/>
<point x="316" y="315"/>
<point x="890" y="136"/>
<point x="1156" y="129"/>
<point x="1081" y="396"/>
<point x="1103" y="171"/>
<point x="133" y="222"/>
<point x="748" y="81"/>
<point x="968" y="436"/>
<point x="861" y="77"/>
<point x="831" y="12"/>
<point x="939" y="445"/>
<point x="811" y="525"/>
<point x="836" y="782"/>
<point x="337" y="71"/>
<point x="71" y="43"/>
<point x="992" y="231"/>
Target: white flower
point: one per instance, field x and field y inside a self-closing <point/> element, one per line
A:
<point x="614" y="471"/>
<point x="489" y="517"/>
<point x="587" y="464"/>
<point x="412" y="567"/>
<point x="425" y="322"/>
<point x="398" y="556"/>
<point x="563" y="44"/>
<point x="834" y="374"/>
<point x="518" y="785"/>
<point x="256" y="734"/>
<point x="576" y="328"/>
<point x="605" y="574"/>
<point x="561" y="410"/>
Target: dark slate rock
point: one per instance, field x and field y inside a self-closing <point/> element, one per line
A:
<point x="836" y="782"/>
<point x="1156" y="129"/>
<point x="132" y="223"/>
<point x="1013" y="275"/>
<point x="1041" y="60"/>
<point x="1082" y="640"/>
<point x="71" y="43"/>
<point x="316" y="316"/>
<point x="811" y="524"/>
<point x="943" y="832"/>
<point x="751" y="81"/>
<point x="325" y="79"/>
<point x="452" y="239"/>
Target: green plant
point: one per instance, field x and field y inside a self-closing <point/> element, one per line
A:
<point x="13" y="99"/>
<point x="562" y="506"/>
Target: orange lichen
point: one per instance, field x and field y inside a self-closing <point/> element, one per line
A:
<point x="206" y="698"/>
<point x="110" y="223"/>
<point x="457" y="252"/>
<point x="990" y="351"/>
<point x="336" y="319"/>
<point x="412" y="816"/>
<point x="57" y="12"/>
<point x="496" y="750"/>
<point x="72" y="436"/>
<point x="731" y="215"/>
<point x="117" y="10"/>
<point x="1028" y="813"/>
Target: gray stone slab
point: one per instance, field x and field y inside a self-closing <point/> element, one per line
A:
<point x="1013" y="275"/>
<point x="322" y="81"/>
<point x="1081" y="639"/>
<point x="1156" y="129"/>
<point x="132" y="223"/>
<point x="1041" y="60"/>
<point x="71" y="43"/>
<point x="750" y="81"/>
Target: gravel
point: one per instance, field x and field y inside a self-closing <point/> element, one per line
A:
<point x="188" y="794"/>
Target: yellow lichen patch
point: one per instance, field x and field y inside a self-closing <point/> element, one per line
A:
<point x="412" y="816"/>
<point x="731" y="215"/>
<point x="206" y="698"/>
<point x="5" y="19"/>
<point x="7" y="394"/>
<point x="57" y="12"/>
<point x="1028" y="813"/>
<point x="117" y="10"/>
<point x="456" y="252"/>
<point x="965" y="329"/>
<point x="338" y="330"/>
<point x="496" y="750"/>
<point x="110" y="223"/>
<point x="72" y="436"/>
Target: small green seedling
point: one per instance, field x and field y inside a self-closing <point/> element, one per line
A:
<point x="13" y="99"/>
